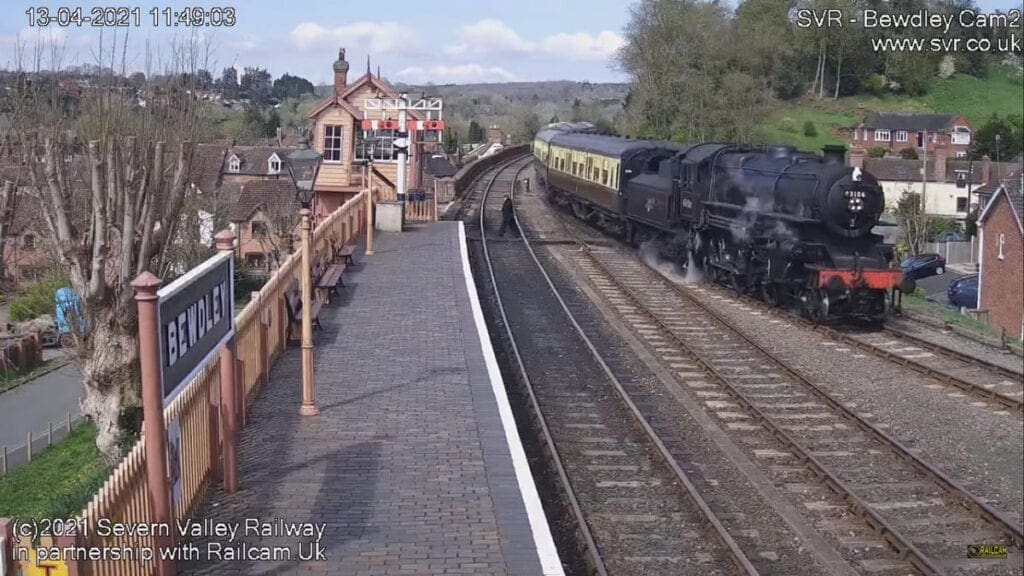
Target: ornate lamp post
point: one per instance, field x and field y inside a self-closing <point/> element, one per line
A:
<point x="303" y="165"/>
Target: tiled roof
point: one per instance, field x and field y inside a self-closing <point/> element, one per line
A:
<point x="273" y="195"/>
<point x="207" y="164"/>
<point x="439" y="166"/>
<point x="1013" y="188"/>
<point x="254" y="159"/>
<point x="896" y="121"/>
<point x="900" y="170"/>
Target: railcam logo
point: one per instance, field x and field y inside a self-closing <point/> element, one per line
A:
<point x="986" y="551"/>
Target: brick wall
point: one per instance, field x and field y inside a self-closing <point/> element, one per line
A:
<point x="1002" y="280"/>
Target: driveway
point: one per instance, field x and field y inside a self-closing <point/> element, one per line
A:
<point x="936" y="286"/>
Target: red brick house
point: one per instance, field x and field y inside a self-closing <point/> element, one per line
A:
<point x="337" y="134"/>
<point x="1001" y="283"/>
<point x="264" y="217"/>
<point x="896" y="131"/>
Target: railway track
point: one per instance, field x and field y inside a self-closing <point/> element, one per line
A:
<point x="971" y="375"/>
<point x="927" y="518"/>
<point x="636" y="510"/>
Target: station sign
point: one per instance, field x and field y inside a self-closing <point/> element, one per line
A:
<point x="196" y="318"/>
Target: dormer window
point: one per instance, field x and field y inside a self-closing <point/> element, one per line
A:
<point x="274" y="164"/>
<point x="234" y="164"/>
<point x="28" y="242"/>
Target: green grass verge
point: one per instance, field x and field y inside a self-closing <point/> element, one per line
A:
<point x="920" y="305"/>
<point x="15" y="379"/>
<point x="976" y="98"/>
<point x="59" y="481"/>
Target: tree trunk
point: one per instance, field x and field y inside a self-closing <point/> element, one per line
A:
<point x="110" y="378"/>
<point x="821" y="85"/>
<point x="839" y="72"/>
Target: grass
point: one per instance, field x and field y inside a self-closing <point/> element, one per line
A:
<point x="915" y="303"/>
<point x="59" y="481"/>
<point x="976" y="98"/>
<point x="14" y="379"/>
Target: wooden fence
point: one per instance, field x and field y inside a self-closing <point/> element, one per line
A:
<point x="260" y="338"/>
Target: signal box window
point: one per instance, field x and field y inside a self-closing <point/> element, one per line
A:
<point x="381" y="142"/>
<point x="332" y="142"/>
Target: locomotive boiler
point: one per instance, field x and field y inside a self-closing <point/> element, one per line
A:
<point x="794" y="227"/>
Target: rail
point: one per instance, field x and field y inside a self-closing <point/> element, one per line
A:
<point x="260" y="338"/>
<point x="449" y="189"/>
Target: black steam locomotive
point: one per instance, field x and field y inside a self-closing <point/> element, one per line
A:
<point x="795" y="227"/>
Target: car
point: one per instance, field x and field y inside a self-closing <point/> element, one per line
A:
<point x="963" y="292"/>
<point x="923" y="266"/>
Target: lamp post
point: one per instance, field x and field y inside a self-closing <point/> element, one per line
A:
<point x="372" y="141"/>
<point x="303" y="165"/>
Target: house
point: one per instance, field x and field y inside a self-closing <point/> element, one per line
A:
<point x="495" y="135"/>
<point x="264" y="216"/>
<point x="437" y="165"/>
<point x="337" y="134"/>
<point x="1001" y="283"/>
<point x="205" y="184"/>
<point x="949" y="184"/>
<point x="896" y="131"/>
<point x="28" y="252"/>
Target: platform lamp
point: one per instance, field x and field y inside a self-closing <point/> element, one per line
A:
<point x="303" y="166"/>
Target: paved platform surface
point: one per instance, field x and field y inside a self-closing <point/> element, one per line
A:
<point x="410" y="464"/>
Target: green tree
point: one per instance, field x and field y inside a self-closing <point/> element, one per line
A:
<point x="476" y="132"/>
<point x="255" y="85"/>
<point x="1010" y="133"/>
<point x="227" y="85"/>
<point x="288" y="86"/>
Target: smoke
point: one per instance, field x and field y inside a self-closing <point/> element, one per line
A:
<point x="649" y="254"/>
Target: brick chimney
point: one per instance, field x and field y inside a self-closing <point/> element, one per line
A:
<point x="340" y="73"/>
<point x="941" y="152"/>
<point x="857" y="155"/>
<point x="860" y="115"/>
<point x="986" y="169"/>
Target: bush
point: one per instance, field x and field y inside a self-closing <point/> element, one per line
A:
<point x="874" y="84"/>
<point x="909" y="154"/>
<point x="37" y="299"/>
<point x="809" y="129"/>
<point x="877" y="152"/>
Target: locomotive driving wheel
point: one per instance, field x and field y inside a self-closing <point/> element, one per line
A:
<point x="770" y="294"/>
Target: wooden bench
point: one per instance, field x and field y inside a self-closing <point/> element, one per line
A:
<point x="346" y="253"/>
<point x="293" y="305"/>
<point x="329" y="279"/>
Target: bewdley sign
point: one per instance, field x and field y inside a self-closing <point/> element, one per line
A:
<point x="196" y="319"/>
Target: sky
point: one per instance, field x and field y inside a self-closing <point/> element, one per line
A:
<point x="413" y="41"/>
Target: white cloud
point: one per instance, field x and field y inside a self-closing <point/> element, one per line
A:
<point x="490" y="36"/>
<point x="457" y="74"/>
<point x="374" y="37"/>
<point x="583" y="46"/>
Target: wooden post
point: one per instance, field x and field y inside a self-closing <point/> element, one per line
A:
<point x="240" y="390"/>
<point x="369" y="212"/>
<point x="155" y="429"/>
<point x="7" y="549"/>
<point x="215" y="469"/>
<point x="228" y="396"/>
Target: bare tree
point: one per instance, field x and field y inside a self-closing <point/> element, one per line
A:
<point x="913" y="220"/>
<point x="111" y="177"/>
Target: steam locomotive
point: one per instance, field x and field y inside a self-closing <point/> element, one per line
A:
<point x="795" y="227"/>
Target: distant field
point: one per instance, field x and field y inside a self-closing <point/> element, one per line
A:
<point x="976" y="98"/>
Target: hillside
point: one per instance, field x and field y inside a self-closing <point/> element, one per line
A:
<point x="977" y="99"/>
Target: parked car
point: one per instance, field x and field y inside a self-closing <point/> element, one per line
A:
<point x="923" y="266"/>
<point x="963" y="292"/>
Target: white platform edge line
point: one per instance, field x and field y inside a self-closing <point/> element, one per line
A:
<point x="550" y="563"/>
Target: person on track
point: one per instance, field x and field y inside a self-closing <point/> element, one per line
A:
<point x="508" y="219"/>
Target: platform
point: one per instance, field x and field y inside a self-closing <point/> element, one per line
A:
<point x="414" y="463"/>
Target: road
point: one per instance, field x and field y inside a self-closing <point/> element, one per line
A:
<point x="32" y="406"/>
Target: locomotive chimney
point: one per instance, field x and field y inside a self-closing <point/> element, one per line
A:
<point x="340" y="73"/>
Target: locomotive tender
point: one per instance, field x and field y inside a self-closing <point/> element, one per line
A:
<point x="794" y="226"/>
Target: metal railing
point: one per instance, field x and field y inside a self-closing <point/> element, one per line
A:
<point x="260" y="338"/>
